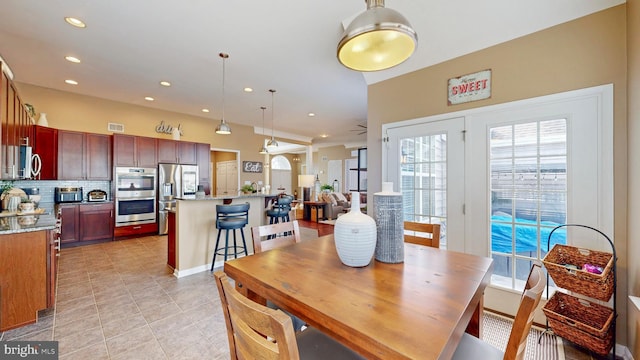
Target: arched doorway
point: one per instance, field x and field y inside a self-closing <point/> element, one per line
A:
<point x="281" y="174"/>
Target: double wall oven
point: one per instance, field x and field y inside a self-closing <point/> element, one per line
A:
<point x="135" y="196"/>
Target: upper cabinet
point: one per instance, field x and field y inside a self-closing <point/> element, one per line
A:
<point x="134" y="151"/>
<point x="15" y="129"/>
<point x="176" y="152"/>
<point x="84" y="156"/>
<point x="45" y="144"/>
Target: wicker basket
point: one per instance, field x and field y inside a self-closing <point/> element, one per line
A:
<point x="580" y="321"/>
<point x="597" y="286"/>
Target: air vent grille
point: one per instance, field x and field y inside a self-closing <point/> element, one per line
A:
<point x="113" y="127"/>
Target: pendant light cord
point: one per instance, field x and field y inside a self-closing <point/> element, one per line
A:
<point x="272" y="112"/>
<point x="224" y="57"/>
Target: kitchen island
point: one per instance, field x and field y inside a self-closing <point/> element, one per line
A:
<point x="28" y="258"/>
<point x="192" y="236"/>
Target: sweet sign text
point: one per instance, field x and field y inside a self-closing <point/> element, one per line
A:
<point x="471" y="87"/>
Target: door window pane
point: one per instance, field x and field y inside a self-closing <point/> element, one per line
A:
<point x="528" y="163"/>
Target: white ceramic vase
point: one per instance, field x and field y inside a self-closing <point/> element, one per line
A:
<point x="355" y="235"/>
<point x="42" y="120"/>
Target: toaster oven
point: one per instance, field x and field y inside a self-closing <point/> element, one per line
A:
<point x="67" y="194"/>
<point x="97" y="195"/>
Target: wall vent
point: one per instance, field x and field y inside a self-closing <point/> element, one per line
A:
<point x="113" y="127"/>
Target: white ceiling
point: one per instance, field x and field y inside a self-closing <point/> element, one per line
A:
<point x="129" y="46"/>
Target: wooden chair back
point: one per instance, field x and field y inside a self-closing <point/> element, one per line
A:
<point x="289" y="230"/>
<point x="433" y="229"/>
<point x="255" y="331"/>
<point x="531" y="296"/>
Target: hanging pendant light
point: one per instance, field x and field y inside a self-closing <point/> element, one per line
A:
<point x="263" y="149"/>
<point x="223" y="128"/>
<point x="377" y="39"/>
<point x="272" y="142"/>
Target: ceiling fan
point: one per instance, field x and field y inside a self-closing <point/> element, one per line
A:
<point x="362" y="129"/>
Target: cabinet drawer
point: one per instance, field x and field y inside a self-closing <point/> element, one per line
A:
<point x="135" y="230"/>
<point x="96" y="207"/>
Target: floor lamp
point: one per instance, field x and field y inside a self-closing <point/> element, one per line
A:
<point x="306" y="183"/>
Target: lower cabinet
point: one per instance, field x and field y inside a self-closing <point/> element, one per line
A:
<point x="122" y="232"/>
<point x="86" y="222"/>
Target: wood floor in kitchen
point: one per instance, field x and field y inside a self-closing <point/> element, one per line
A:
<point x="119" y="300"/>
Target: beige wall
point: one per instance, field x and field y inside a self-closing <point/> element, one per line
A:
<point x="72" y="111"/>
<point x="586" y="52"/>
<point x="633" y="66"/>
<point x="321" y="166"/>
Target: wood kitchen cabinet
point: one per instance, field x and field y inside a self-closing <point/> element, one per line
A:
<point x="176" y="152"/>
<point x="86" y="221"/>
<point x="70" y="226"/>
<point x="134" y="151"/>
<point x="96" y="221"/>
<point x="83" y="156"/>
<point x="23" y="277"/>
<point x="45" y="144"/>
<point x="204" y="166"/>
<point x="15" y="128"/>
<point x="53" y="251"/>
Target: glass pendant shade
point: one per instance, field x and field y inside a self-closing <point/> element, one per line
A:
<point x="377" y="39"/>
<point x="223" y="128"/>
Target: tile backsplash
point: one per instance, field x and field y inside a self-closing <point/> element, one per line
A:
<point x="46" y="188"/>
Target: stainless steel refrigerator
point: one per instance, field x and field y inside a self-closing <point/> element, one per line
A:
<point x="174" y="181"/>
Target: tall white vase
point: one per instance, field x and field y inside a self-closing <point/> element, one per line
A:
<point x="355" y="235"/>
<point x="42" y="120"/>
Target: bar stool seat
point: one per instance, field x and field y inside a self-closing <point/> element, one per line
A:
<point x="230" y="217"/>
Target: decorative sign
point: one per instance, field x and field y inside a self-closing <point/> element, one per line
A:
<point x="252" y="166"/>
<point x="470" y="87"/>
<point x="163" y="128"/>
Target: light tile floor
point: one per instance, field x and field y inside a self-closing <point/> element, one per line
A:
<point x="119" y="300"/>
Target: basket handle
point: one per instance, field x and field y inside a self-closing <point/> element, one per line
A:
<point x="584" y="303"/>
<point x="570" y="322"/>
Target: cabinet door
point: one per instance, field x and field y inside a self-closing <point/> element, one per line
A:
<point x="204" y="166"/>
<point x="98" y="155"/>
<point x="71" y="153"/>
<point x="124" y="150"/>
<point x="4" y="121"/>
<point x="146" y="152"/>
<point x="69" y="229"/>
<point x="52" y="267"/>
<point x="187" y="153"/>
<point x="46" y="146"/>
<point x="96" y="222"/>
<point x="167" y="151"/>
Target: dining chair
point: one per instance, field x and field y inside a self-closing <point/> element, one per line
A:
<point x="471" y="347"/>
<point x="289" y="231"/>
<point x="422" y="228"/>
<point x="255" y="331"/>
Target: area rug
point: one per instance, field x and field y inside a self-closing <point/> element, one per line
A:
<point x="496" y="330"/>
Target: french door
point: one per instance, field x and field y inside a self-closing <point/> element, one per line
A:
<point x="519" y="170"/>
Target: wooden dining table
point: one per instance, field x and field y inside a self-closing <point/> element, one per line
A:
<point x="417" y="309"/>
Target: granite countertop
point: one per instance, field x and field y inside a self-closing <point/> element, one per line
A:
<point x="26" y="223"/>
<point x="222" y="197"/>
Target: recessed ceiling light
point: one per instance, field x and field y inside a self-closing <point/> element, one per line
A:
<point x="324" y="135"/>
<point x="205" y="110"/>
<point x="72" y="59"/>
<point x="165" y="83"/>
<point x="248" y="89"/>
<point x="311" y="114"/>
<point x="71" y="82"/>
<point x="149" y="98"/>
<point x="75" y="22"/>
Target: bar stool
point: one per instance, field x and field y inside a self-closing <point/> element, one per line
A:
<point x="231" y="217"/>
<point x="280" y="210"/>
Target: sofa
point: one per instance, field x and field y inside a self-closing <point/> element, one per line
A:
<point x="338" y="203"/>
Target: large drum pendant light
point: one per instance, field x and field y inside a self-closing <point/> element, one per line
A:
<point x="223" y="128"/>
<point x="377" y="39"/>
